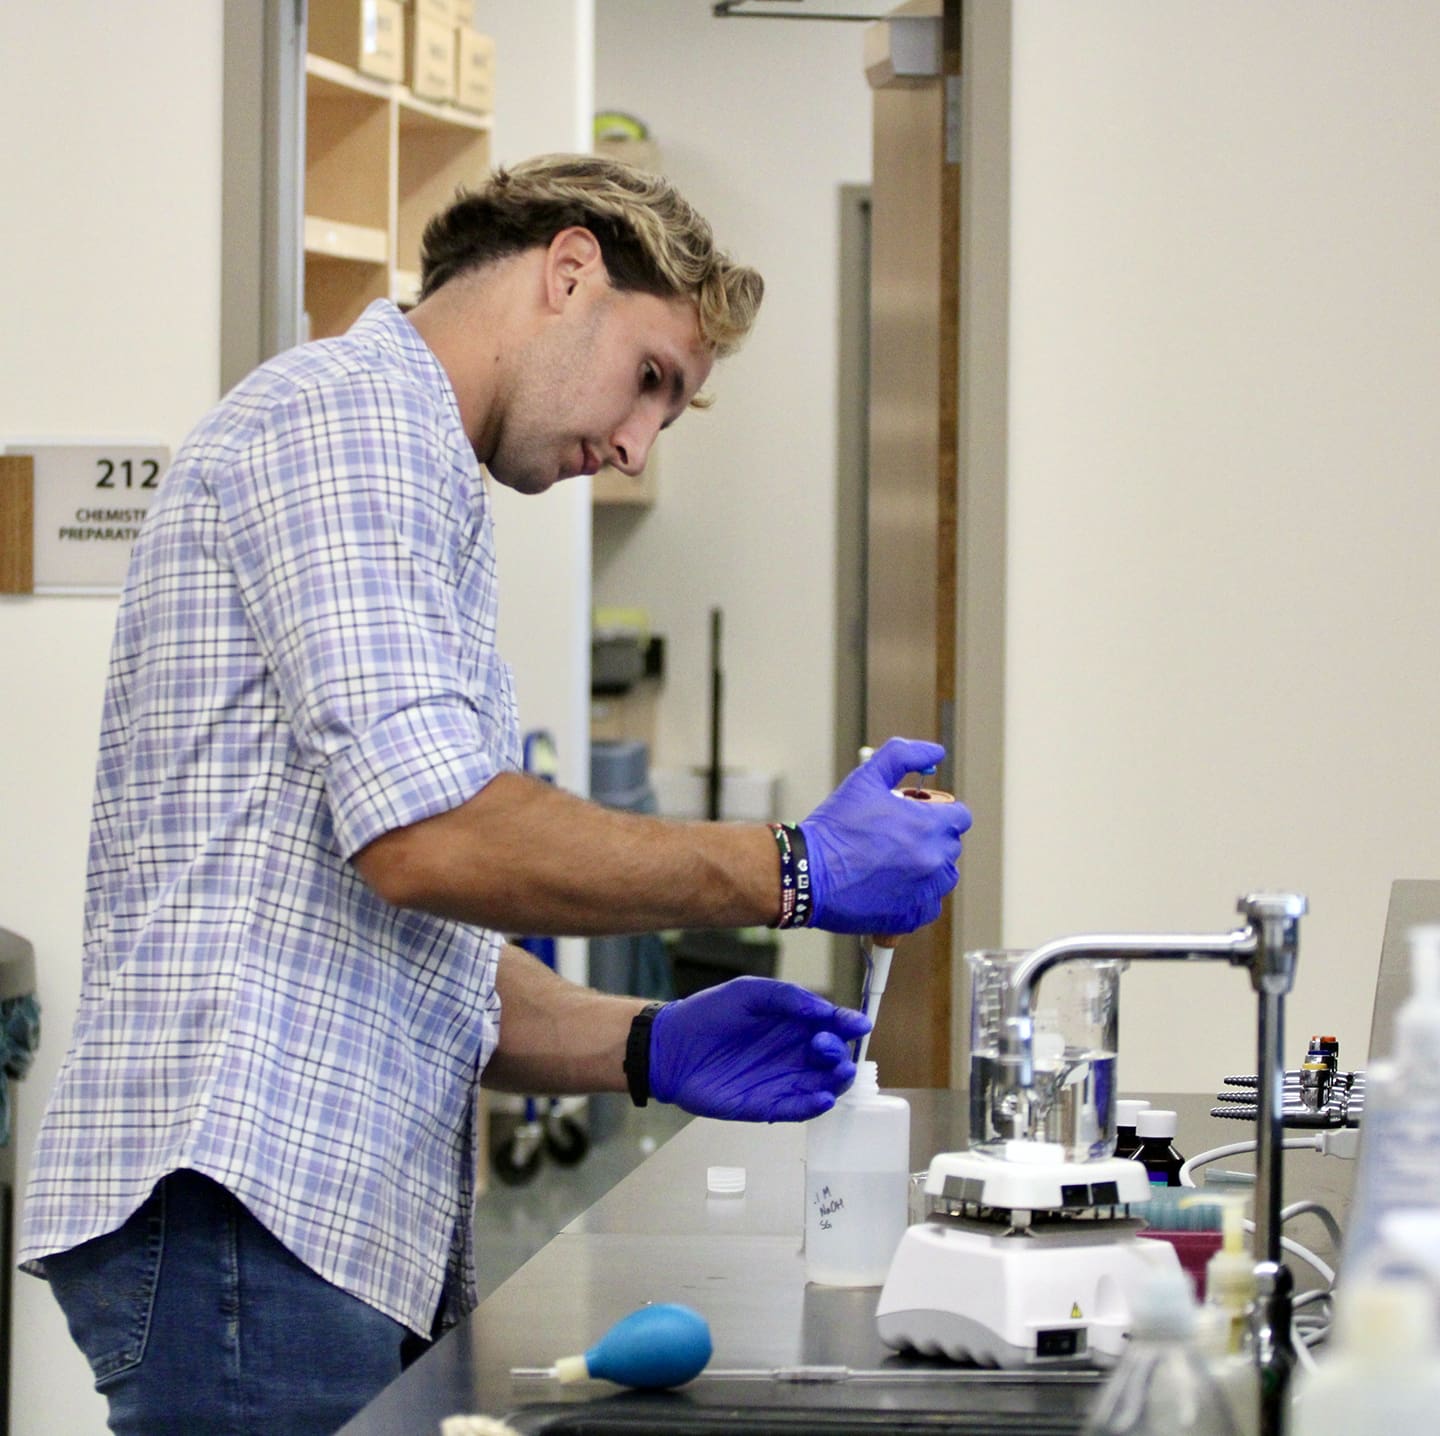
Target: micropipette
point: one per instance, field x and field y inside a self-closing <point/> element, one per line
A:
<point x="878" y="954"/>
<point x="880" y="950"/>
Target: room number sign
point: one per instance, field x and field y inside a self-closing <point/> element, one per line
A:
<point x="80" y="505"/>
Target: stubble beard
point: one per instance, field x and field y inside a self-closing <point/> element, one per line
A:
<point x="530" y="451"/>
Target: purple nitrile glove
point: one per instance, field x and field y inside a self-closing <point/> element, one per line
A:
<point x="880" y="863"/>
<point x="753" y="1050"/>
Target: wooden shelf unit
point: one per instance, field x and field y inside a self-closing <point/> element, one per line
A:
<point x="378" y="164"/>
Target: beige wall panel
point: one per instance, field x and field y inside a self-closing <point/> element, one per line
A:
<point x="1225" y="333"/>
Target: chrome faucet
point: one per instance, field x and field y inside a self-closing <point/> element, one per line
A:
<point x="1268" y="945"/>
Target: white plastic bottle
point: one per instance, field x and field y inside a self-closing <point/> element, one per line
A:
<point x="857" y="1185"/>
<point x="1396" y="1190"/>
<point x="1161" y="1385"/>
<point x="1382" y="1377"/>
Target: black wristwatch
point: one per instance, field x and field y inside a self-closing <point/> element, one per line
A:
<point x="637" y="1053"/>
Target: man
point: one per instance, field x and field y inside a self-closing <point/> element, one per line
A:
<point x="252" y="1189"/>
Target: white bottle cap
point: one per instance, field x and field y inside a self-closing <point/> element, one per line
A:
<point x="725" y="1181"/>
<point x="1156" y="1122"/>
<point x="1126" y="1111"/>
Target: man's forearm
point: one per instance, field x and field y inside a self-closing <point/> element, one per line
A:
<point x="522" y="856"/>
<point x="556" y="1037"/>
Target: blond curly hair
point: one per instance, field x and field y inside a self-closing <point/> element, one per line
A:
<point x="652" y="239"/>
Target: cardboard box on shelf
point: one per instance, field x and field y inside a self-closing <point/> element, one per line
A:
<point x="440" y="11"/>
<point x="429" y="57"/>
<point x="475" y="71"/>
<point x="367" y="35"/>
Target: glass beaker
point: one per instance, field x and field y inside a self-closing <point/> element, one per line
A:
<point x="1075" y="1008"/>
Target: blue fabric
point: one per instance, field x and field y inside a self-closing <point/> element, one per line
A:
<point x="304" y="658"/>
<point x="195" y="1319"/>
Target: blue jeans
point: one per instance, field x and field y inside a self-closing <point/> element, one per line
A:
<point x="194" y="1318"/>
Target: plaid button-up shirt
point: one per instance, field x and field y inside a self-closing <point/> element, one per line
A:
<point x="304" y="659"/>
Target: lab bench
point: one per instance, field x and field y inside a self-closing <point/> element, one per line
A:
<point x="657" y="1236"/>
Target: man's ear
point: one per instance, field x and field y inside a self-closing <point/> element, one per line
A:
<point x="572" y="258"/>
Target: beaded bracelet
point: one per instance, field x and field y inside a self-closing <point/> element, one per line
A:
<point x="796" y="896"/>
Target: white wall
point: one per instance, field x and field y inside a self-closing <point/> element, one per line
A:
<point x="759" y="123"/>
<point x="111" y="245"/>
<point x="1222" y="594"/>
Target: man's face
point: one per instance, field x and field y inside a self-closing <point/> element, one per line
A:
<point x="595" y="385"/>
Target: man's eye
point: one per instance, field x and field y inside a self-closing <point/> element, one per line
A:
<point x="650" y="377"/>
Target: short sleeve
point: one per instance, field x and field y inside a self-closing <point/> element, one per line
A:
<point x="348" y="533"/>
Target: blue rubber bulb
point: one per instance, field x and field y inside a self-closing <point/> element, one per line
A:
<point x="657" y="1346"/>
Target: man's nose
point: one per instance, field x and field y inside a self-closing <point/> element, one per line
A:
<point x="631" y="443"/>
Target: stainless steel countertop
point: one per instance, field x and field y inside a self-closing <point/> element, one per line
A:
<point x="657" y="1236"/>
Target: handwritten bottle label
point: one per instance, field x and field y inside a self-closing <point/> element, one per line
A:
<point x="853" y="1223"/>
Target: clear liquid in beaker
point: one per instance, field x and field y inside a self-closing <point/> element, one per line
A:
<point x="1075" y="1037"/>
<point x="1073" y="1104"/>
